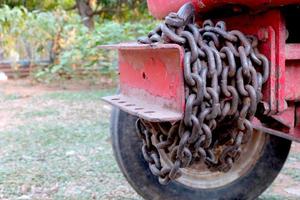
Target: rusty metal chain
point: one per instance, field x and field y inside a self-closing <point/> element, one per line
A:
<point x="224" y="73"/>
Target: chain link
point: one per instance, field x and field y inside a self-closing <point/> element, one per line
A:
<point x="223" y="73"/>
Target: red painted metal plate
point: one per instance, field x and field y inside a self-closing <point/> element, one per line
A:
<point x="292" y="51"/>
<point x="151" y="81"/>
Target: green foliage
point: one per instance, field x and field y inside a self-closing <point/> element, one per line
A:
<point x="80" y="51"/>
<point x="27" y="35"/>
<point x="77" y="52"/>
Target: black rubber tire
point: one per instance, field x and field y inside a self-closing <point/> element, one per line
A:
<point x="127" y="149"/>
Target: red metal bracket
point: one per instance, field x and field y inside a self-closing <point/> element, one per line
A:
<point x="151" y="81"/>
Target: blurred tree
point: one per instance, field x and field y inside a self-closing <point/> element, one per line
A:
<point x="86" y="11"/>
<point x="112" y="9"/>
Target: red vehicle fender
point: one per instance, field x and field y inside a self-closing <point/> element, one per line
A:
<point x="161" y="8"/>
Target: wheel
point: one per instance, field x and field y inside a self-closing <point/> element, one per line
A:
<point x="260" y="163"/>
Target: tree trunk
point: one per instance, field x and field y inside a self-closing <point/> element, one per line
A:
<point x="86" y="12"/>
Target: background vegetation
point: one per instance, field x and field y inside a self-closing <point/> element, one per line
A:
<point x="57" y="31"/>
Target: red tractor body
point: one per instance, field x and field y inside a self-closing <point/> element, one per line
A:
<point x="176" y="102"/>
<point x="151" y="73"/>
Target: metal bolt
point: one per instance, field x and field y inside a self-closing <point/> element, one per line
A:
<point x="263" y="34"/>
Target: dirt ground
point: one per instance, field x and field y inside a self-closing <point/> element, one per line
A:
<point x="55" y="144"/>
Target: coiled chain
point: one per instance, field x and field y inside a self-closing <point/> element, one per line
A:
<point x="224" y="73"/>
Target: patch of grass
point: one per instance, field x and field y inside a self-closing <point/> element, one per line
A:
<point x="10" y="97"/>
<point x="79" y="96"/>
<point x="40" y="113"/>
<point x="293" y="173"/>
<point x="295" y="156"/>
<point x="272" y="197"/>
<point x="44" y="154"/>
<point x="63" y="142"/>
